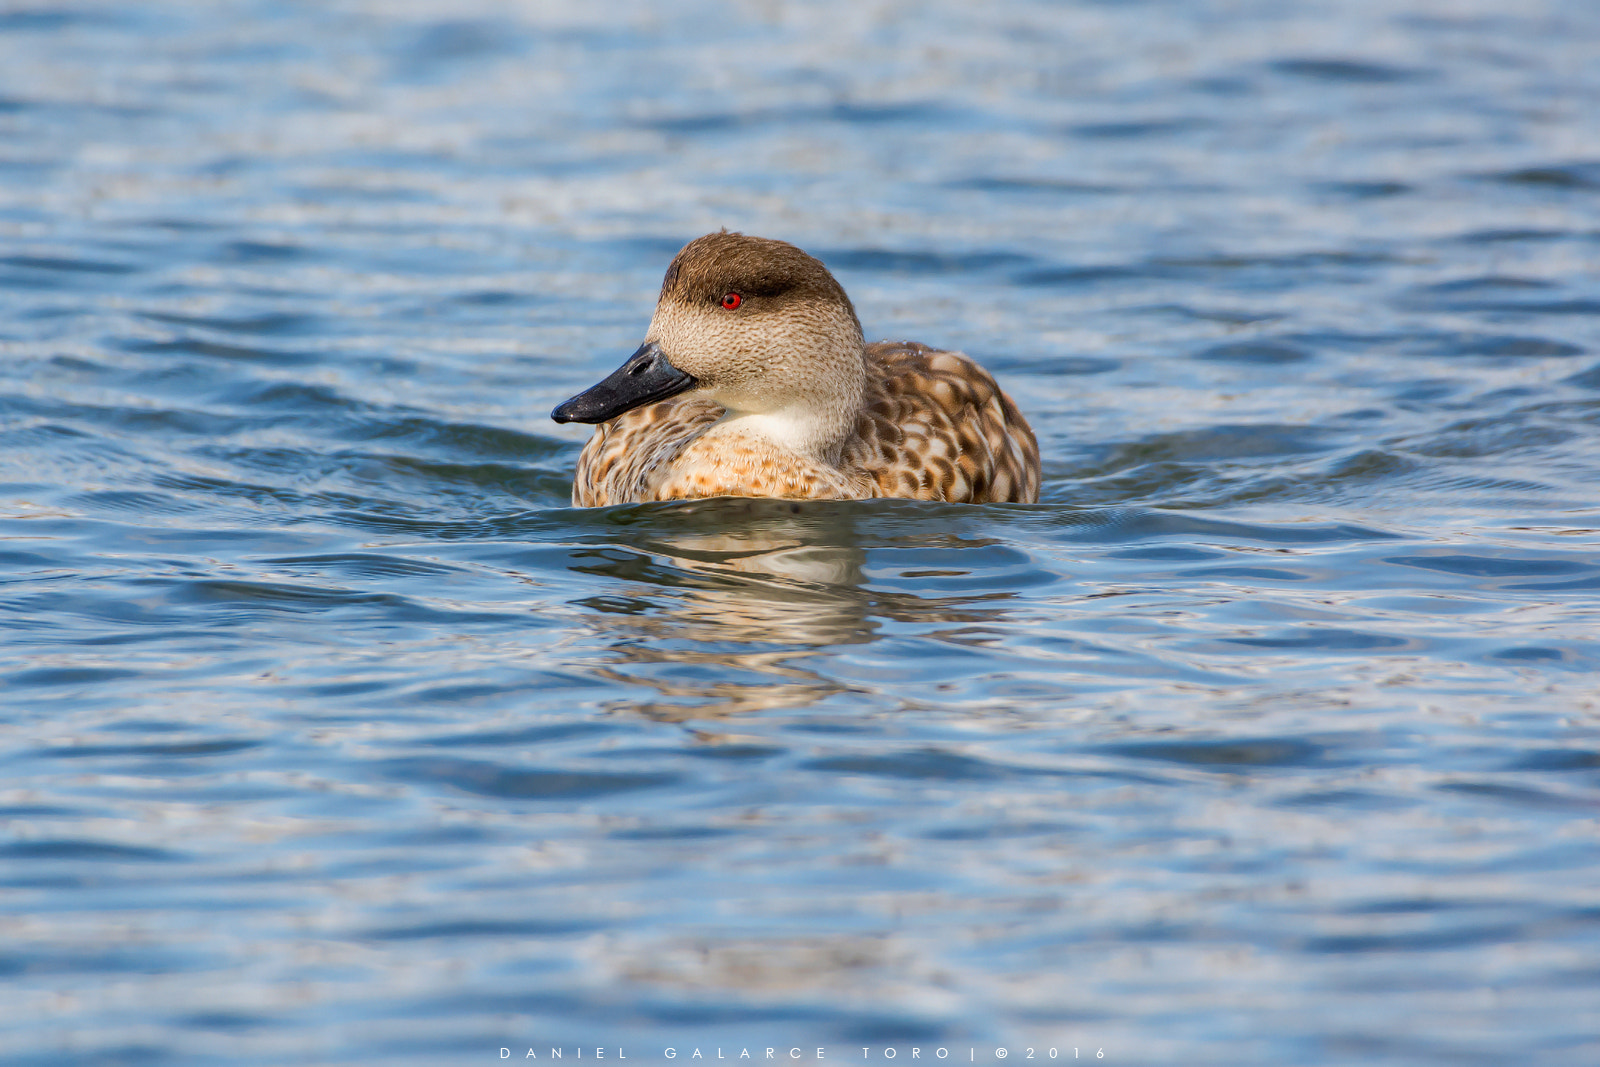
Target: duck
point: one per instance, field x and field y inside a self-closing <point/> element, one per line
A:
<point x="755" y="380"/>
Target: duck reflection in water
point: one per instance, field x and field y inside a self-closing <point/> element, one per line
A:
<point x="727" y="599"/>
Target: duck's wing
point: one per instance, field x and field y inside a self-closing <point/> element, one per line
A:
<point x="935" y="426"/>
<point x="628" y="455"/>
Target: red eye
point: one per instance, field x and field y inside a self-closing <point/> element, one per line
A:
<point x="731" y="300"/>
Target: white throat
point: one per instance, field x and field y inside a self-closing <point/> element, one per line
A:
<point x="802" y="430"/>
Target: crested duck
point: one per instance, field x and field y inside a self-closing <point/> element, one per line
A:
<point x="754" y="380"/>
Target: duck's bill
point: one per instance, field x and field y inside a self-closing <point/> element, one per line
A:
<point x="644" y="379"/>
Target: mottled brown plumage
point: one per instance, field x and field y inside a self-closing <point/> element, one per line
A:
<point x="783" y="399"/>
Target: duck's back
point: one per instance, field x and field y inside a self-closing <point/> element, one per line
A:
<point x="933" y="426"/>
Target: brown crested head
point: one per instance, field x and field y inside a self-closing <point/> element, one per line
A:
<point x="764" y="274"/>
<point x="755" y="325"/>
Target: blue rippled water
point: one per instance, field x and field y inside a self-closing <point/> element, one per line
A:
<point x="332" y="734"/>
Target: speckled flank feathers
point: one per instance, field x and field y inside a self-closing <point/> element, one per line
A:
<point x="790" y="403"/>
<point x="935" y="426"/>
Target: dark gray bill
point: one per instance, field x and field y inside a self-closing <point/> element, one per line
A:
<point x="644" y="379"/>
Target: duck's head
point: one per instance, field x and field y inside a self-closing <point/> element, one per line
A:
<point x="756" y="325"/>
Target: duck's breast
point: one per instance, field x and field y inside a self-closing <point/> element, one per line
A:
<point x="631" y="455"/>
<point x="724" y="462"/>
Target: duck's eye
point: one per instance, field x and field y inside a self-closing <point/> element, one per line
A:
<point x="731" y="300"/>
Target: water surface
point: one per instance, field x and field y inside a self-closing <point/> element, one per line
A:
<point x="332" y="734"/>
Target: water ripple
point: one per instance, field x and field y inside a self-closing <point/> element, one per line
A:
<point x="333" y="733"/>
